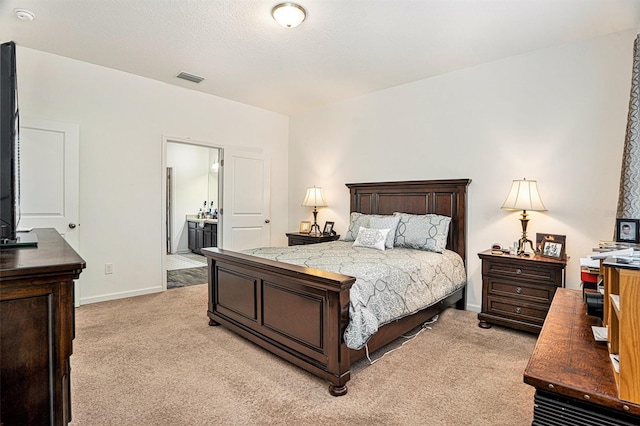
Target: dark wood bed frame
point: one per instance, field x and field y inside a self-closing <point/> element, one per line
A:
<point x="299" y="313"/>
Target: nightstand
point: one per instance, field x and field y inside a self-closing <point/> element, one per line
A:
<point x="517" y="291"/>
<point x="297" y="239"/>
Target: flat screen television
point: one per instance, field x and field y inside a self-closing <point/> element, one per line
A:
<point x="8" y="144"/>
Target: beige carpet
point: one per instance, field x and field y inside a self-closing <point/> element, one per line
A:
<point x="154" y="360"/>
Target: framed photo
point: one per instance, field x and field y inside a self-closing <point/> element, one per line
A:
<point x="305" y="227"/>
<point x="328" y="227"/>
<point x="552" y="248"/>
<point x="628" y="230"/>
<point x="541" y="237"/>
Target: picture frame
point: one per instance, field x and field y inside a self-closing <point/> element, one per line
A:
<point x="552" y="248"/>
<point x="541" y="237"/>
<point x="328" y="228"/>
<point x="305" y="227"/>
<point x="628" y="230"/>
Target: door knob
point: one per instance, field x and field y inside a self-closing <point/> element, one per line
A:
<point x="72" y="225"/>
<point x="267" y="221"/>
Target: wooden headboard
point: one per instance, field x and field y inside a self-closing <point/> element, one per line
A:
<point x="443" y="197"/>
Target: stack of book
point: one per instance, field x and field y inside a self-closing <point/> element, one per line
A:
<point x="604" y="246"/>
<point x="592" y="286"/>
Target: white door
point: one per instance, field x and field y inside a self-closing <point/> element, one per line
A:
<point x="49" y="174"/>
<point x="246" y="200"/>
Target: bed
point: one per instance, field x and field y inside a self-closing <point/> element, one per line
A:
<point x="263" y="299"/>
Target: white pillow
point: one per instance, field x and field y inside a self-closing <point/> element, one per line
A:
<point x="371" y="238"/>
<point x="386" y="222"/>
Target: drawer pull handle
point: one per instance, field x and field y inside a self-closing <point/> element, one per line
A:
<point x="519" y="290"/>
<point x="518" y="310"/>
<point x="518" y="271"/>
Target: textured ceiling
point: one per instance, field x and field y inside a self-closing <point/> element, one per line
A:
<point x="345" y="48"/>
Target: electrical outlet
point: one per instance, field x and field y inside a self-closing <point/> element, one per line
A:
<point x="108" y="268"/>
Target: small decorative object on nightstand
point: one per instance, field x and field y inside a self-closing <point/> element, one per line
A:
<point x="517" y="291"/>
<point x="296" y="238"/>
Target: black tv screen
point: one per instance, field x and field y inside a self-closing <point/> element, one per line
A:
<point x="8" y="143"/>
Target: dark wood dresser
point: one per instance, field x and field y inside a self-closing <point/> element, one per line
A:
<point x="36" y="330"/>
<point x="517" y="291"/>
<point x="572" y="373"/>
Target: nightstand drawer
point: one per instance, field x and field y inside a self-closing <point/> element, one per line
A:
<point x="521" y="291"/>
<point x="514" y="270"/>
<point x="300" y="241"/>
<point x="527" y="312"/>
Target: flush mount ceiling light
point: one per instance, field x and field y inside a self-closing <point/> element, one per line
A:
<point x="25" y="15"/>
<point x="289" y="15"/>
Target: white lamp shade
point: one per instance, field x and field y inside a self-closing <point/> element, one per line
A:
<point x="524" y="195"/>
<point x="314" y="198"/>
<point x="289" y="15"/>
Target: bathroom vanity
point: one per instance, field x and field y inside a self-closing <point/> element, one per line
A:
<point x="202" y="233"/>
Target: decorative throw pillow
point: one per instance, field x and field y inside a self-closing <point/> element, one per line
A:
<point x="386" y="222"/>
<point x="371" y="238"/>
<point x="423" y="232"/>
<point x="356" y="221"/>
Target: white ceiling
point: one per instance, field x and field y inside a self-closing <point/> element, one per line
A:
<point x="345" y="48"/>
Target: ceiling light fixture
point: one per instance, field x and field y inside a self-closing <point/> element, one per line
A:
<point x="25" y="15"/>
<point x="289" y="15"/>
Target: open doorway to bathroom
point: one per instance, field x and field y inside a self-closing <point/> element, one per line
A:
<point x="192" y="187"/>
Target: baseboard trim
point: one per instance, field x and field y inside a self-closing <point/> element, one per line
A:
<point x="473" y="308"/>
<point x="121" y="295"/>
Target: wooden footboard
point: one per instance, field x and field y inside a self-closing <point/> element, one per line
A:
<point x="294" y="312"/>
<point x="297" y="313"/>
<point x="300" y="314"/>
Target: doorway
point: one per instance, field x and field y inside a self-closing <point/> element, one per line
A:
<point x="192" y="201"/>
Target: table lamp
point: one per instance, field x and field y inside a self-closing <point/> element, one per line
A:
<point x="524" y="196"/>
<point x="315" y="199"/>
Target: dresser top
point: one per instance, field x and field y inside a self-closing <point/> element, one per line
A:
<point x="533" y="257"/>
<point x="52" y="255"/>
<point x="567" y="360"/>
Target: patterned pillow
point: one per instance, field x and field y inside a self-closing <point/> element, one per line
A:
<point x="423" y="232"/>
<point x="386" y="222"/>
<point x="356" y="221"/>
<point x="371" y="238"/>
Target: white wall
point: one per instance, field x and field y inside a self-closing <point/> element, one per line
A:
<point x="122" y="119"/>
<point x="556" y="115"/>
<point x="191" y="166"/>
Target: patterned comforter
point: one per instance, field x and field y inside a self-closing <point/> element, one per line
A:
<point x="389" y="284"/>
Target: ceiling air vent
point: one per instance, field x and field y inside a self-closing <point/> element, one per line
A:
<point x="190" y="77"/>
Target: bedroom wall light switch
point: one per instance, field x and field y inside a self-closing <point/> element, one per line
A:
<point x="108" y="268"/>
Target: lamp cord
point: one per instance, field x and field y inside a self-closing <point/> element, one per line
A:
<point x="423" y="327"/>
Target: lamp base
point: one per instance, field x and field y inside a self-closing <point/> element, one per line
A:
<point x="522" y="245"/>
<point x="522" y="242"/>
<point x="315" y="228"/>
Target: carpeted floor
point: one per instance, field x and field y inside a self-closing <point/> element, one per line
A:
<point x="186" y="277"/>
<point x="154" y="360"/>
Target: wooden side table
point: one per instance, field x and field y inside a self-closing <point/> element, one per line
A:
<point x="297" y="239"/>
<point x="517" y="291"/>
<point x="572" y="373"/>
